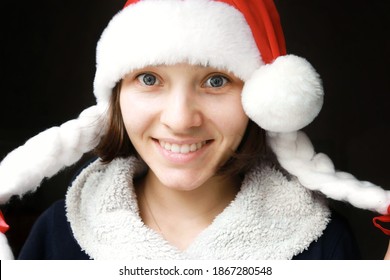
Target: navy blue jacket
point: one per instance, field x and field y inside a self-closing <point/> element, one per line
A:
<point x="51" y="239"/>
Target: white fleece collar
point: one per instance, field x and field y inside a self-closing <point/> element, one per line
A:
<point x="270" y="218"/>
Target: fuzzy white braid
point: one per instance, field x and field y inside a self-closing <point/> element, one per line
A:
<point x="44" y="155"/>
<point x="316" y="171"/>
<point x="5" y="249"/>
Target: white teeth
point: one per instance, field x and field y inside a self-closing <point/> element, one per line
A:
<point x="185" y="149"/>
<point x="182" y="149"/>
<point x="193" y="147"/>
<point x="175" y="148"/>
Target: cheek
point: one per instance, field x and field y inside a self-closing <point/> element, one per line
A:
<point x="231" y="119"/>
<point x="135" y="113"/>
<point x="237" y="128"/>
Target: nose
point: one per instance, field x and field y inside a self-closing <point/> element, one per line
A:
<point x="181" y="110"/>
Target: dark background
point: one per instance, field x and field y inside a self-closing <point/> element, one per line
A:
<point x="48" y="64"/>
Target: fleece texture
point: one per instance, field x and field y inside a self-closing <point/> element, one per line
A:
<point x="270" y="218"/>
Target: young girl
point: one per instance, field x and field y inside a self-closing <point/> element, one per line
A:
<point x="200" y="153"/>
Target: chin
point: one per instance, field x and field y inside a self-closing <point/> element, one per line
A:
<point x="184" y="182"/>
<point x="182" y="185"/>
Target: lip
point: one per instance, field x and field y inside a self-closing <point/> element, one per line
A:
<point x="180" y="142"/>
<point x="181" y="158"/>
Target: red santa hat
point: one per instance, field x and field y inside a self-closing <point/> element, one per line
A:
<point x="282" y="93"/>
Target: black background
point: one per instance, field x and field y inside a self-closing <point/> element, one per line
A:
<point x="48" y="65"/>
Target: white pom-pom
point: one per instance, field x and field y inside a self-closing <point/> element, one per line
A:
<point x="283" y="96"/>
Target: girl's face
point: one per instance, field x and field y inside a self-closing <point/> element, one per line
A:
<point x="184" y="121"/>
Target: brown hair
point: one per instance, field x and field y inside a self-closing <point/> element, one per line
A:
<point x="116" y="143"/>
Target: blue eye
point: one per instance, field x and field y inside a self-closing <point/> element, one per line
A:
<point x="216" y="81"/>
<point x="148" y="79"/>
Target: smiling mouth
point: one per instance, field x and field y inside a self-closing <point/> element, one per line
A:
<point x="182" y="149"/>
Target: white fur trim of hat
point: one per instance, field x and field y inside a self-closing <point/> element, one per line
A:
<point x="282" y="93"/>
